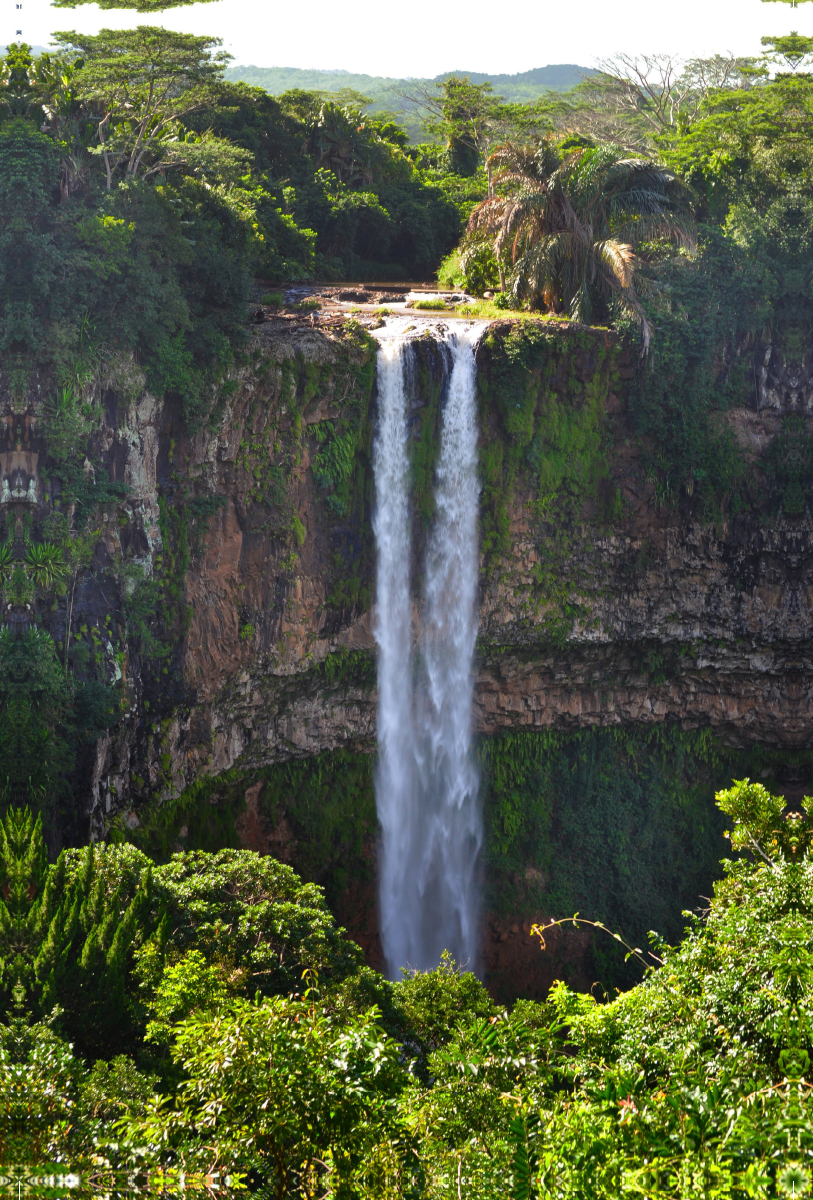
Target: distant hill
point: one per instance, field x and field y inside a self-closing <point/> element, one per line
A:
<point x="527" y="85"/>
<point x="383" y="90"/>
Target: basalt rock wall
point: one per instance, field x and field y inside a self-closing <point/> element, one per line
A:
<point x="228" y="589"/>
<point x="635" y="612"/>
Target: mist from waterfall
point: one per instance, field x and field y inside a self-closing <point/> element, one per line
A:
<point x="427" y="786"/>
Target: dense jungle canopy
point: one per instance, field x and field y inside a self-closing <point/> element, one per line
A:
<point x="208" y="1014"/>
<point x="205" y="1013"/>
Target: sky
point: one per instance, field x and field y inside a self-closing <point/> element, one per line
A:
<point x="424" y="40"/>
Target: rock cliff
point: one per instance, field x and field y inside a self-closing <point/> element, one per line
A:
<point x="603" y="603"/>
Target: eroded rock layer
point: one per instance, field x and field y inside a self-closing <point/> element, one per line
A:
<point x="229" y="587"/>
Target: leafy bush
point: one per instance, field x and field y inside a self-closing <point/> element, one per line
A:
<point x="364" y="1086"/>
<point x="471" y="268"/>
<point x="334" y="459"/>
<point x="66" y="425"/>
<point x="435" y="304"/>
<point x="254" y="916"/>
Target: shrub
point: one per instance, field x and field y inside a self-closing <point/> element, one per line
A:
<point x="436" y="304"/>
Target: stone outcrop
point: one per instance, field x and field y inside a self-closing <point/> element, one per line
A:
<point x="642" y="616"/>
<point x="677" y="622"/>
<point x="671" y="619"/>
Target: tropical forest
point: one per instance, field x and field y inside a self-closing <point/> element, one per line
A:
<point x="406" y="623"/>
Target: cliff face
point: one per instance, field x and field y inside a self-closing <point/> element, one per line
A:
<point x="676" y="622"/>
<point x="603" y="604"/>
<point x="671" y="620"/>
<point x="260" y="614"/>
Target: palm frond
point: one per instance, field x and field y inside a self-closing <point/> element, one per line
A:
<point x="572" y="223"/>
<point x="619" y="258"/>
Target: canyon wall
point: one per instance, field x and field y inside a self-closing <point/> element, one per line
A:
<point x="639" y="615"/>
<point x="230" y="593"/>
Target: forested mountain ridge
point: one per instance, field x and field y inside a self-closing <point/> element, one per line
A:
<point x="385" y="93"/>
<point x="276" y="80"/>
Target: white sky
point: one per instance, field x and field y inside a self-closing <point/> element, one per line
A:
<point x="426" y="39"/>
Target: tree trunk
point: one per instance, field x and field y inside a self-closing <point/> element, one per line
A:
<point x="68" y="620"/>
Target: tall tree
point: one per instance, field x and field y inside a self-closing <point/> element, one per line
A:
<point x="142" y="82"/>
<point x="569" y="228"/>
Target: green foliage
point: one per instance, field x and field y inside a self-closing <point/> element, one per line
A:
<point x="436" y="304"/>
<point x="89" y="933"/>
<point x="616" y="823"/>
<point x="572" y="220"/>
<point x="335" y="462"/>
<point x="302" y="1095"/>
<point x="693" y="1077"/>
<point x="65" y="937"/>
<point x="38" y="1078"/>
<point x="66" y="425"/>
<point x="548" y="387"/>
<point x="201" y="511"/>
<point x="695" y="372"/>
<point x="149" y="6"/>
<point x="208" y="809"/>
<point x="525" y="86"/>
<point x="131" y="219"/>
<point x="189" y="986"/>
<point x="431" y="1003"/>
<point x="353" y="191"/>
<point x="36" y="747"/>
<point x="142" y="605"/>
<point x="171" y="368"/>
<point x="328" y="803"/>
<point x="472" y="268"/>
<point x="144" y="80"/>
<point x="46" y="564"/>
<point x="253" y="915"/>
<point x="111" y="1089"/>
<point x="171" y="261"/>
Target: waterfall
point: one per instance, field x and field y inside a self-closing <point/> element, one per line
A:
<point x="426" y="779"/>
<point x="395" y="773"/>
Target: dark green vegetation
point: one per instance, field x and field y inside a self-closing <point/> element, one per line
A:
<point x="707" y="224"/>
<point x="549" y="394"/>
<point x="618" y="824"/>
<point x="129" y="241"/>
<point x="691" y="1083"/>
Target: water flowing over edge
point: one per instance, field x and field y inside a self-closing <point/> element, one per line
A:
<point x="427" y="786"/>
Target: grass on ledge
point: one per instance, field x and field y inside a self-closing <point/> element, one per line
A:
<point x="488" y="311"/>
<point x="434" y="305"/>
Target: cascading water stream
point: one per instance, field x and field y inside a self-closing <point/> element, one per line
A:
<point x="394" y="783"/>
<point x="426" y="780"/>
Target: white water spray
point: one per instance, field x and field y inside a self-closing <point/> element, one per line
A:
<point x="426" y="781"/>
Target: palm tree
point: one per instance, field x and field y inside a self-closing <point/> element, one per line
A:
<point x="45" y="563"/>
<point x="569" y="227"/>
